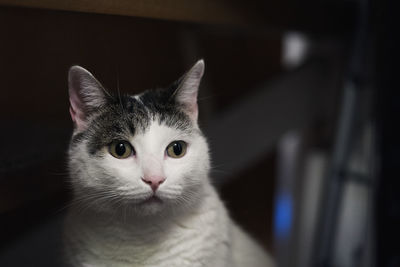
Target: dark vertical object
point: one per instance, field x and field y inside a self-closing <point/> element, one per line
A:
<point x="388" y="193"/>
<point x="334" y="184"/>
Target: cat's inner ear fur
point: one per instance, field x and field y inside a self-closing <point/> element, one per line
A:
<point x="86" y="95"/>
<point x="186" y="92"/>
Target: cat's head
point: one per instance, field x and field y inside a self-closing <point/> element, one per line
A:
<point x="142" y="152"/>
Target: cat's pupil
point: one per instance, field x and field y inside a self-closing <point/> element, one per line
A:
<point x="120" y="149"/>
<point x="177" y="148"/>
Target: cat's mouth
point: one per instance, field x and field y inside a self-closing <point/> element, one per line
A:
<point x="151" y="200"/>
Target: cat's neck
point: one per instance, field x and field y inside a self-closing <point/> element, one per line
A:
<point x="137" y="239"/>
<point x="144" y="231"/>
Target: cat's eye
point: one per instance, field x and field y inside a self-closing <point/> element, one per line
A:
<point x="120" y="149"/>
<point x="176" y="149"/>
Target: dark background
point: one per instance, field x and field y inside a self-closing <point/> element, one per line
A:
<point x="242" y="53"/>
<point x="37" y="48"/>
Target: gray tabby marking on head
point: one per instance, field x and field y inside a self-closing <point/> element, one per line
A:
<point x="101" y="116"/>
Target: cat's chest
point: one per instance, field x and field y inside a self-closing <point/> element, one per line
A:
<point x="199" y="240"/>
<point x="182" y="248"/>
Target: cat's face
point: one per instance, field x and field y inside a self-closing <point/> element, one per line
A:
<point x="142" y="153"/>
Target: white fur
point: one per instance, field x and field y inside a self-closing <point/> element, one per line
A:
<point x="190" y="228"/>
<point x="113" y="223"/>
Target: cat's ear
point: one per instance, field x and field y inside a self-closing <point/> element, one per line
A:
<point x="86" y="95"/>
<point x="186" y="92"/>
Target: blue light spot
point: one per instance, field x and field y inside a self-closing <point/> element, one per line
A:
<point x="283" y="215"/>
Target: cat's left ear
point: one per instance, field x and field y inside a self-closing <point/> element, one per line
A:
<point x="86" y="95"/>
<point x="186" y="93"/>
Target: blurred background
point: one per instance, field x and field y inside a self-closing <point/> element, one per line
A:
<point x="298" y="101"/>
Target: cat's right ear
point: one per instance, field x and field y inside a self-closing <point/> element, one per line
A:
<point x="186" y="92"/>
<point x="86" y="95"/>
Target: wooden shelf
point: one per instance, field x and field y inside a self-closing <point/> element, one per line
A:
<point x="312" y="16"/>
<point x="208" y="11"/>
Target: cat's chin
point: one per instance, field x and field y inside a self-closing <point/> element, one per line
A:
<point x="158" y="205"/>
<point x="151" y="206"/>
<point x="152" y="200"/>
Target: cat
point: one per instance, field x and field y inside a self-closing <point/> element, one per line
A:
<point x="139" y="168"/>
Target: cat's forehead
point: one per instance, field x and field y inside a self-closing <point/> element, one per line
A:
<point x="128" y="116"/>
<point x="157" y="105"/>
<point x="134" y="113"/>
<point x="158" y="135"/>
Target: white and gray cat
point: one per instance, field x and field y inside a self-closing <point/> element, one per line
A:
<point x="139" y="166"/>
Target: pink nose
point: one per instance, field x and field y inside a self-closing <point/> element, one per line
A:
<point x="154" y="181"/>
